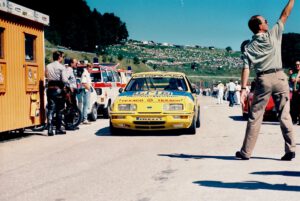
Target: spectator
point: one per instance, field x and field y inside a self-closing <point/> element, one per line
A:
<point x="237" y="94"/>
<point x="220" y="88"/>
<point x="86" y="82"/>
<point x="72" y="64"/>
<point x="57" y="78"/>
<point x="295" y="102"/>
<point x="231" y="91"/>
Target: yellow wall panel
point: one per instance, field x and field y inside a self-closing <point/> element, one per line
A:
<point x="16" y="101"/>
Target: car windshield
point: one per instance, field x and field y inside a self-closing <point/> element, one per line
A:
<point x="156" y="83"/>
<point x="96" y="77"/>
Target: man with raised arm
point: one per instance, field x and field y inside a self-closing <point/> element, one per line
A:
<point x="263" y="53"/>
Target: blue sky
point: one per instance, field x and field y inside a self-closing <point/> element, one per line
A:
<point x="218" y="23"/>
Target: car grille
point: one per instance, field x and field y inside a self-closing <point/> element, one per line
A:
<point x="149" y="112"/>
<point x="149" y="127"/>
<point x="149" y="122"/>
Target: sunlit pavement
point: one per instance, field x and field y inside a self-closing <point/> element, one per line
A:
<point x="90" y="164"/>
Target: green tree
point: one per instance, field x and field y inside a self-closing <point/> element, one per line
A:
<point x="120" y="57"/>
<point x="78" y="27"/>
<point x="228" y="49"/>
<point x="136" y="60"/>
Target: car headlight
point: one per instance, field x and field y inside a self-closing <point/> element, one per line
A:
<point x="173" y="107"/>
<point x="127" y="107"/>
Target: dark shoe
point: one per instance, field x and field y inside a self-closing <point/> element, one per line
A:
<point x="288" y="156"/>
<point x="50" y="131"/>
<point x="61" y="132"/>
<point x="70" y="128"/>
<point x="240" y="156"/>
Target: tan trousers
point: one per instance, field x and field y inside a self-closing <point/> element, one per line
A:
<point x="275" y="84"/>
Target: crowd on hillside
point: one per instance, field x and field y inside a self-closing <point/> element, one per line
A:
<point x="176" y="56"/>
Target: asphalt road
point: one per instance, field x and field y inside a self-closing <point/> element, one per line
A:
<point x="91" y="165"/>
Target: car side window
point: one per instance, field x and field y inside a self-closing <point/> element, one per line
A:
<point x="104" y="75"/>
<point x="116" y="76"/>
<point x="110" y="76"/>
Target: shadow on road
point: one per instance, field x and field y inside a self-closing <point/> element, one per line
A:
<point x="237" y="118"/>
<point x="185" y="156"/>
<point x="283" y="173"/>
<point x="17" y="135"/>
<point x="248" y="185"/>
<point x="267" y="120"/>
<point x="124" y="133"/>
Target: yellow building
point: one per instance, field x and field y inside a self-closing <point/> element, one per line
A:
<point x="21" y="66"/>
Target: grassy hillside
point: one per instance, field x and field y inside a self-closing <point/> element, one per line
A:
<point x="124" y="63"/>
<point x="211" y="65"/>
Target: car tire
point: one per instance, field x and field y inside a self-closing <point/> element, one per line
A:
<point x="192" y="129"/>
<point x="94" y="114"/>
<point x="198" y="123"/>
<point x="106" y="111"/>
<point x="75" y="117"/>
<point x="113" y="130"/>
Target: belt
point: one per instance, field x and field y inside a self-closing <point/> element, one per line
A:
<point x="53" y="87"/>
<point x="55" y="83"/>
<point x="274" y="70"/>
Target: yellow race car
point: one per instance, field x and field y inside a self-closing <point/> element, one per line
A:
<point x="156" y="101"/>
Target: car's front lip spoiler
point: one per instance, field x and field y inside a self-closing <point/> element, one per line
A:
<point x="155" y="114"/>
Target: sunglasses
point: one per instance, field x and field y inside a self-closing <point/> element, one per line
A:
<point x="266" y="22"/>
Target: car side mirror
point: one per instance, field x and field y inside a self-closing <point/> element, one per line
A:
<point x="194" y="90"/>
<point x="121" y="90"/>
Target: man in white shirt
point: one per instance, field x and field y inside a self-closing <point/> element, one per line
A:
<point x="220" y="88"/>
<point x="231" y="91"/>
<point x="237" y="95"/>
<point x="86" y="82"/>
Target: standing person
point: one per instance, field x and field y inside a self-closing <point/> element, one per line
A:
<point x="237" y="94"/>
<point x="57" y="78"/>
<point x="263" y="53"/>
<point x="295" y="102"/>
<point x="72" y="84"/>
<point x="231" y="91"/>
<point x="86" y="82"/>
<point x="71" y="90"/>
<point x="295" y="88"/>
<point x="220" y="87"/>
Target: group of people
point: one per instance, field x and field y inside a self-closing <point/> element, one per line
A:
<point x="230" y="92"/>
<point x="61" y="78"/>
<point x="294" y="82"/>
